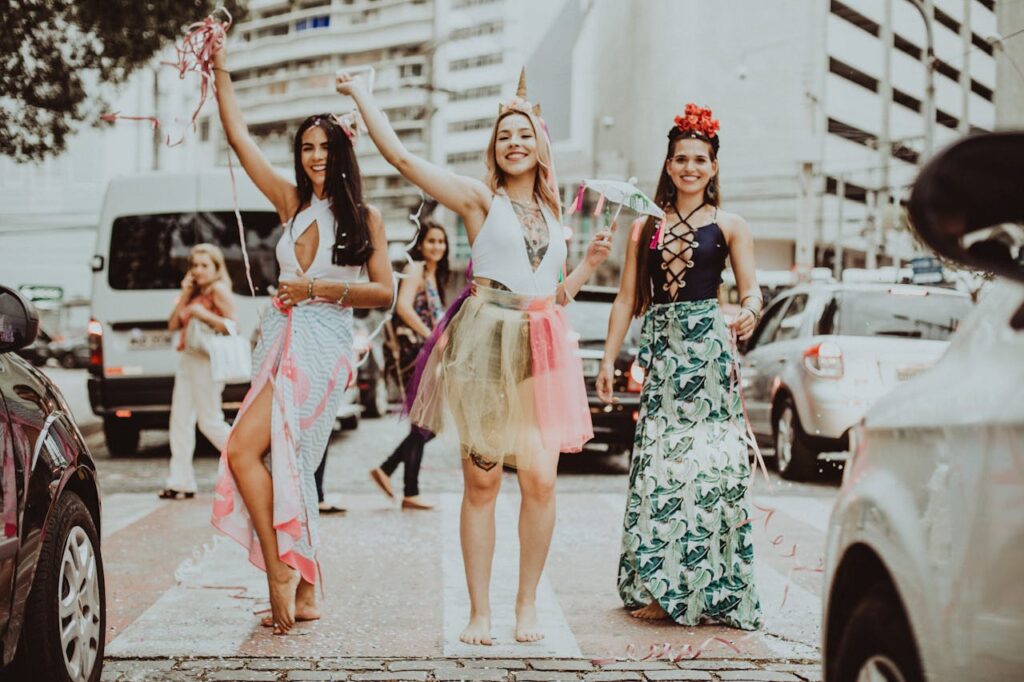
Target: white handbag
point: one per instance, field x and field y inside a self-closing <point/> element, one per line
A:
<point x="230" y="356"/>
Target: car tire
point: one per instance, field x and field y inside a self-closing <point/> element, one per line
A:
<point x="375" y="399"/>
<point x="876" y="642"/>
<point x="67" y="361"/>
<point x="69" y="560"/>
<point x="122" y="436"/>
<point x="349" y="423"/>
<point x="795" y="459"/>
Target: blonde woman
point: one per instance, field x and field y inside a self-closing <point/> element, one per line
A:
<point x="205" y="296"/>
<point x="504" y="364"/>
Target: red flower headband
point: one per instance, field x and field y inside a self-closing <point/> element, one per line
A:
<point x="697" y="120"/>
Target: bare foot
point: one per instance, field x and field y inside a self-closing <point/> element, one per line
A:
<point x="478" y="631"/>
<point x="526" y="624"/>
<point x="306" y="608"/>
<point x="652" y="611"/>
<point x="283" y="584"/>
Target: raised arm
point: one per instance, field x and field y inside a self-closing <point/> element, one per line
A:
<point x="741" y="255"/>
<point x="466" y="196"/>
<point x="618" y="321"/>
<point x="280" y="191"/>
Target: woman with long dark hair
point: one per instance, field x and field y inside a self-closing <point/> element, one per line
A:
<point x="686" y="547"/>
<point x="303" y="359"/>
<point x="420" y="307"/>
<point x="505" y="366"/>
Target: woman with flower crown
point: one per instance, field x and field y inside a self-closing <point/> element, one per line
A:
<point x="504" y="365"/>
<point x="686" y="547"/>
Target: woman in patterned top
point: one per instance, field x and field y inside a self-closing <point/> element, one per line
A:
<point x="686" y="547"/>
<point x="420" y="307"/>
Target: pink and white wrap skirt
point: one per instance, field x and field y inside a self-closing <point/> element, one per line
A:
<point x="305" y="352"/>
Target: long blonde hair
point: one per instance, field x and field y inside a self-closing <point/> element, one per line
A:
<point x="214" y="253"/>
<point x="544" y="184"/>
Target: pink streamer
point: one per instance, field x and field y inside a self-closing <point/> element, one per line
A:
<point x="600" y="206"/>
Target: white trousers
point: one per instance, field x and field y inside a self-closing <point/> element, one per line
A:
<point x="196" y="399"/>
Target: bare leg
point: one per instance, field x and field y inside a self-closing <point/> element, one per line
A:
<point x="536" y="525"/>
<point x="250" y="439"/>
<point x="476" y="530"/>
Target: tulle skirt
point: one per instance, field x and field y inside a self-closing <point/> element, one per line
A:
<point x="507" y="373"/>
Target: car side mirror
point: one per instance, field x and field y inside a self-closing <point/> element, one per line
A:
<point x="19" y="321"/>
<point x="967" y="203"/>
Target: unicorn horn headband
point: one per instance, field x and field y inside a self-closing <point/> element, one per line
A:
<point x="519" y="102"/>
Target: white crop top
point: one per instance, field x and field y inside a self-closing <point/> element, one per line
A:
<point x="319" y="212"/>
<point x="499" y="251"/>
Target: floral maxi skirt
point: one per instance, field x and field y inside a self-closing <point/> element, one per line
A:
<point x="685" y="542"/>
<point x="305" y="353"/>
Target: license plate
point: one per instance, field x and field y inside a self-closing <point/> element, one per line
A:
<point x="148" y="340"/>
<point x="591" y="368"/>
<point x="905" y="373"/>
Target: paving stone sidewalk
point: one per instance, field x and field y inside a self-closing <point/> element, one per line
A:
<point x="453" y="670"/>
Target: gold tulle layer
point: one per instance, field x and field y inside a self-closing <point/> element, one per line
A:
<point x="483" y="376"/>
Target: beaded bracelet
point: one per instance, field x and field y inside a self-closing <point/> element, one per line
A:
<point x="344" y="294"/>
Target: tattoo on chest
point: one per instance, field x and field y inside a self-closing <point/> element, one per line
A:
<point x="535" y="232"/>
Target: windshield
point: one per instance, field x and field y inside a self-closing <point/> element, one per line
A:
<point x="151" y="251"/>
<point x="932" y="317"/>
<point x="589" y="319"/>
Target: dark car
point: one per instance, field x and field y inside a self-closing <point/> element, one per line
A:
<point x="370" y="377"/>
<point x="52" y="599"/>
<point x="39" y="351"/>
<point x="614" y="425"/>
<point x="70" y="352"/>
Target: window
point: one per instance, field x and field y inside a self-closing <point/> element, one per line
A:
<point x="475" y="62"/>
<point x="489" y="28"/>
<point x="476" y="93"/>
<point x="322" y="21"/>
<point x="769" y="323"/>
<point x="472" y="124"/>
<point x="465" y="157"/>
<point x="151" y="251"/>
<point x="792" y="321"/>
<point x="888" y="312"/>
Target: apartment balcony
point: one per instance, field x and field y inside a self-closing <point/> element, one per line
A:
<point x="330" y="30"/>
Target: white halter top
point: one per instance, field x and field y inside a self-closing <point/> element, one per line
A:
<point x="499" y="251"/>
<point x="319" y="212"/>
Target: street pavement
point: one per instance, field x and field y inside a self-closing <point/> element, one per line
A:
<point x="181" y="600"/>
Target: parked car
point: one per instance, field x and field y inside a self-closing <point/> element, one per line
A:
<point x="823" y="353"/>
<point x="70" y="352"/>
<point x="52" y="595"/>
<point x="39" y="351"/>
<point x="926" y="540"/>
<point x="371" y="380"/>
<point x="148" y="224"/>
<point x="614" y="425"/>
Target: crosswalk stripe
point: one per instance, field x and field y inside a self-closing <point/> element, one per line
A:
<point x="121" y="510"/>
<point x="206" y="598"/>
<point x="558" y="640"/>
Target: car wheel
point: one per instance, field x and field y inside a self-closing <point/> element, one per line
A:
<point x="65" y="617"/>
<point x="376" y="399"/>
<point x="349" y="423"/>
<point x="794" y="458"/>
<point x="876" y="642"/>
<point x="122" y="436"/>
<point x="68" y="361"/>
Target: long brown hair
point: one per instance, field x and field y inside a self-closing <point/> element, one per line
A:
<point x="543" y="187"/>
<point x="443" y="272"/>
<point x="664" y="196"/>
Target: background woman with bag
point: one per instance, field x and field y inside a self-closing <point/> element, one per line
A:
<point x="206" y="302"/>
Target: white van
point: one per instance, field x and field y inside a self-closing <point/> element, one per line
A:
<point x="148" y="224"/>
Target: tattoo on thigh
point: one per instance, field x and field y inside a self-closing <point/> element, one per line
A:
<point x="481" y="463"/>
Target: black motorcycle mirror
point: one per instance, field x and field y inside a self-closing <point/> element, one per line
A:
<point x="19" y="321"/>
<point x="968" y="203"/>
